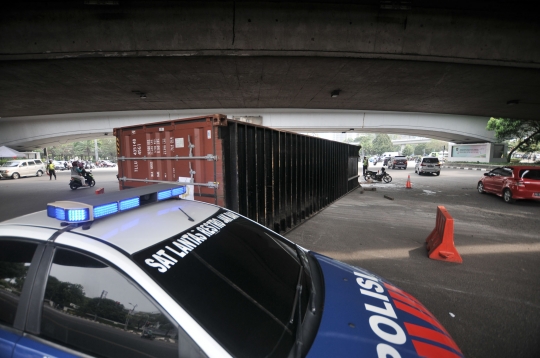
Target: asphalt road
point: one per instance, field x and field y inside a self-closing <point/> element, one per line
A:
<point x="30" y="194"/>
<point x="490" y="303"/>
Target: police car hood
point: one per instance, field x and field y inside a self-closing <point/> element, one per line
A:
<point x="364" y="315"/>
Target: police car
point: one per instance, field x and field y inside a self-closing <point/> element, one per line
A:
<point x="140" y="273"/>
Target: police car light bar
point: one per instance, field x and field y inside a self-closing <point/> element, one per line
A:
<point x="90" y="208"/>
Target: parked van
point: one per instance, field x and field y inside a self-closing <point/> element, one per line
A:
<point x="22" y="168"/>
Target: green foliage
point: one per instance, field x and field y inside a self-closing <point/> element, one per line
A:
<point x="408" y="150"/>
<point x="105" y="308"/>
<point x="432" y="146"/>
<point x="382" y="143"/>
<point x="420" y="148"/>
<point x="64" y="293"/>
<point x="435" y="145"/>
<point x="61" y="152"/>
<point x="525" y="132"/>
<point x="107" y="148"/>
<point x="13" y="274"/>
<point x="84" y="150"/>
<point x="366" y="143"/>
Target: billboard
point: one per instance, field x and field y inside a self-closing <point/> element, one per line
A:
<point x="470" y="150"/>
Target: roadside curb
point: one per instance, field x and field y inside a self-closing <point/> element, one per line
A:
<point x="466" y="168"/>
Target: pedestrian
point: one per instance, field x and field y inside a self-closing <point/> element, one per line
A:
<point x="365" y="166"/>
<point x="50" y="170"/>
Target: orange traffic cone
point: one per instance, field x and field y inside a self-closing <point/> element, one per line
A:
<point x="408" y="185"/>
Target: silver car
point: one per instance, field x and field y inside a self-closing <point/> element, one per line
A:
<point x="22" y="168"/>
<point x="427" y="165"/>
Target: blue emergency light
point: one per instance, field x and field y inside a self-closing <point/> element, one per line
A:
<point x="130" y="203"/>
<point x="91" y="208"/>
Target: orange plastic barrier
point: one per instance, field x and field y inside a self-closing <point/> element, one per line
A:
<point x="408" y="185"/>
<point x="100" y="191"/>
<point x="440" y="243"/>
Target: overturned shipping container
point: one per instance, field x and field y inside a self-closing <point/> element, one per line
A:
<point x="276" y="178"/>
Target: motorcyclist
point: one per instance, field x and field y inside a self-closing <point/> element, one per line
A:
<point x="83" y="173"/>
<point x="76" y="171"/>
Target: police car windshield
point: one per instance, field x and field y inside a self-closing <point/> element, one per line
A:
<point x="236" y="278"/>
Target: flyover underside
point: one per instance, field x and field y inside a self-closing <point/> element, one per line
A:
<point x="115" y="84"/>
<point x="64" y="58"/>
<point x="41" y="131"/>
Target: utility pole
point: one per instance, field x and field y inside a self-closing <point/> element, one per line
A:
<point x="96" y="150"/>
<point x="129" y="313"/>
<point x="103" y="295"/>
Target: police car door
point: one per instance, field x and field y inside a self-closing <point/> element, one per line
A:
<point x="21" y="249"/>
<point x="95" y="301"/>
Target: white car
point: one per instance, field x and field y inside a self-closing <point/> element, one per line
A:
<point x="15" y="169"/>
<point x="429" y="165"/>
<point x="58" y="165"/>
<point x="139" y="273"/>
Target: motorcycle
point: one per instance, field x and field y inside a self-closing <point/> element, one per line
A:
<point x="148" y="334"/>
<point x="76" y="183"/>
<point x="382" y="176"/>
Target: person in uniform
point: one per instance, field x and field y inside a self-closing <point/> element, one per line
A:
<point x="50" y="170"/>
<point x="366" y="163"/>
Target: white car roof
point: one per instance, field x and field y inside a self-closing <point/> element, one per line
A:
<point x="135" y="229"/>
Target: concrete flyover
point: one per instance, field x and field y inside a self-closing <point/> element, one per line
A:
<point x="27" y="133"/>
<point x="465" y="58"/>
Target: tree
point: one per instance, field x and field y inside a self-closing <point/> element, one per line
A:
<point x="12" y="274"/>
<point x="408" y="150"/>
<point x="526" y="132"/>
<point x="420" y="149"/>
<point x="64" y="293"/>
<point x="366" y="143"/>
<point x="84" y="149"/>
<point x="62" y="151"/>
<point x="382" y="143"/>
<point x="435" y="145"/>
<point x="107" y="148"/>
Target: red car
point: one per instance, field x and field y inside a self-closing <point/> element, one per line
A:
<point x="520" y="182"/>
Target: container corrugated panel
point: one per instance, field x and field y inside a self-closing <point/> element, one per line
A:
<point x="276" y="178"/>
